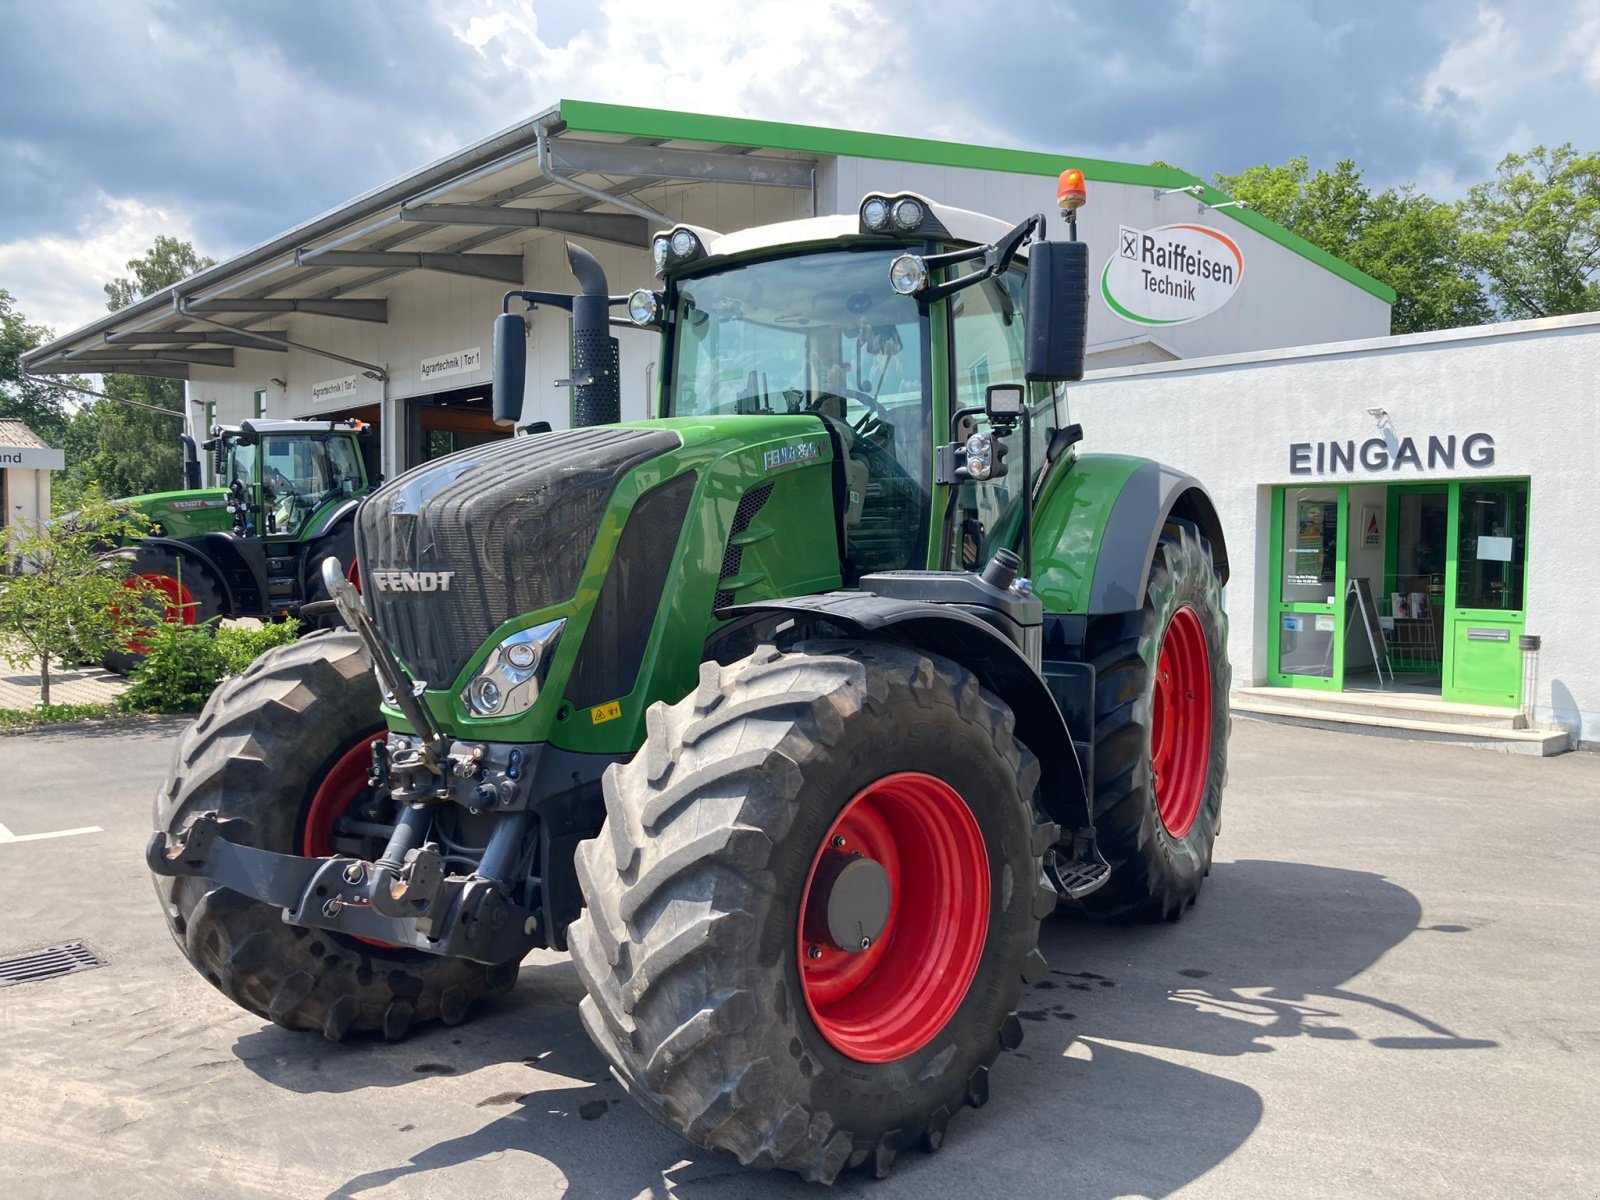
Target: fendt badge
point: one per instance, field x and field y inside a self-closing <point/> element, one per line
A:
<point x="412" y="581"/>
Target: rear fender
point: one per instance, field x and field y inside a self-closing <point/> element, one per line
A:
<point x="977" y="646"/>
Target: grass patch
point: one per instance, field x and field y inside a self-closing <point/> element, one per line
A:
<point x="21" y="720"/>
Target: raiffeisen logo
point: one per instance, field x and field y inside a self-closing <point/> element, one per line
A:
<point x="1171" y="274"/>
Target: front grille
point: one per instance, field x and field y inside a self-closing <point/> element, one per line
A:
<point x="514" y="521"/>
<point x="613" y="646"/>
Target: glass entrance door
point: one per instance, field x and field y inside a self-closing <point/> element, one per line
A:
<point x="1486" y="582"/>
<point x="1309" y="535"/>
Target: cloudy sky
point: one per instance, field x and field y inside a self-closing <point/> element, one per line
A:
<point x="228" y="121"/>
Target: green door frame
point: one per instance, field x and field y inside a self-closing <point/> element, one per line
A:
<point x="1459" y="622"/>
<point x="1334" y="682"/>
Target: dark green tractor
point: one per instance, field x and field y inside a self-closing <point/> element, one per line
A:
<point x="790" y="713"/>
<point x="254" y="545"/>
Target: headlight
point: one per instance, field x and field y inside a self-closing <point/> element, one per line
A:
<point x="658" y="253"/>
<point x="908" y="215"/>
<point x="875" y="214"/>
<point x="908" y="274"/>
<point x="644" y="307"/>
<point x="683" y="243"/>
<point x="980" y="455"/>
<point x="510" y="678"/>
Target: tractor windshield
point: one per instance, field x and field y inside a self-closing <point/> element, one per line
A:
<point x="820" y="333"/>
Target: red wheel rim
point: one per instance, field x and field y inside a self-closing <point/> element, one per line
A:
<point x="353" y="574"/>
<point x="890" y="1000"/>
<point x="340" y="789"/>
<point x="178" y="608"/>
<point x="1180" y="725"/>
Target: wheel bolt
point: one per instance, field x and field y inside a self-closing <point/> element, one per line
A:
<point x="866" y="943"/>
<point x="814" y="952"/>
<point x="838" y="841"/>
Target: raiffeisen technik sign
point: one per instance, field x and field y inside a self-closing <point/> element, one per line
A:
<point x="1171" y="274"/>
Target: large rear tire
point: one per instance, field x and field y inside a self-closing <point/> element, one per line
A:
<point x="1161" y="733"/>
<point x="340" y="544"/>
<point x="191" y="597"/>
<point x="717" y="1002"/>
<point x="283" y="748"/>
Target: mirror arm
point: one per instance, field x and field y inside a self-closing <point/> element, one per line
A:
<point x="534" y="299"/>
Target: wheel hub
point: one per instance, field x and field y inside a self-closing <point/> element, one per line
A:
<point x="848" y="905"/>
<point x="894" y="917"/>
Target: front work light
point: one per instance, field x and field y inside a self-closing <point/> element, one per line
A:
<point x="644" y="307"/>
<point x="908" y="214"/>
<point x="875" y="214"/>
<point x="908" y="274"/>
<point x="683" y="243"/>
<point x="658" y="253"/>
<point x="508" y="682"/>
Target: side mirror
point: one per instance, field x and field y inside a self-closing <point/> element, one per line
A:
<point x="1058" y="310"/>
<point x="191" y="464"/>
<point x="510" y="366"/>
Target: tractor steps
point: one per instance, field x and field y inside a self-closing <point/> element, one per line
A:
<point x="1414" y="718"/>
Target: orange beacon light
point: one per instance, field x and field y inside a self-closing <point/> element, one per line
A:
<point x="1070" y="193"/>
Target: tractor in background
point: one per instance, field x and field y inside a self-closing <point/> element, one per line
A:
<point x="254" y="544"/>
<point x="790" y="712"/>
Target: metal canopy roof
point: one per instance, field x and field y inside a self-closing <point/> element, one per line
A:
<point x="468" y="214"/>
<point x="574" y="169"/>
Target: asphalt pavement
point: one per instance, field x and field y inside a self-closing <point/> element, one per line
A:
<point x="1388" y="988"/>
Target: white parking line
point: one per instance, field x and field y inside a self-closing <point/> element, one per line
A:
<point x="7" y="836"/>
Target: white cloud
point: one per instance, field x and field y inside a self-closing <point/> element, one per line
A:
<point x="846" y="63"/>
<point x="57" y="279"/>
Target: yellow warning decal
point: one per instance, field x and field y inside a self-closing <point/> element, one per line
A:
<point x="601" y="713"/>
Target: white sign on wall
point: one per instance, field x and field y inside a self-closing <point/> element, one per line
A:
<point x="334" y="390"/>
<point x="457" y="362"/>
<point x="35" y="458"/>
<point x="1171" y="275"/>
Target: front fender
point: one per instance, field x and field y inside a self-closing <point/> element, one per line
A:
<point x="983" y="650"/>
<point x="1096" y="525"/>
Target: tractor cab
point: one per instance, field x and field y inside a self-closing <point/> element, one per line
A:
<point x="281" y="476"/>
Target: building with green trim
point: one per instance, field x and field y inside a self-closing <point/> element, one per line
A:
<point x="381" y="307"/>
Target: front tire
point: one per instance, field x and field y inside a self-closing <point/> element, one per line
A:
<point x="1161" y="733"/>
<point x="340" y="544"/>
<point x="283" y="748"/>
<point x="702" y="896"/>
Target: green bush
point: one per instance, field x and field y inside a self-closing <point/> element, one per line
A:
<point x="185" y="663"/>
<point x="21" y="720"/>
<point x="241" y="645"/>
<point x="182" y="667"/>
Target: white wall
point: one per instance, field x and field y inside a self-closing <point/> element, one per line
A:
<point x="1283" y="298"/>
<point x="1533" y="385"/>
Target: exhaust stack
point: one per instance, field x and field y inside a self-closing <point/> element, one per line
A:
<point x="596" y="385"/>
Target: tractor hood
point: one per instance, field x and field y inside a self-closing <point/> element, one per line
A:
<point x="633" y="536"/>
<point x="184" y="514"/>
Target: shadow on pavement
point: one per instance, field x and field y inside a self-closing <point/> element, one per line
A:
<point x="1267" y="955"/>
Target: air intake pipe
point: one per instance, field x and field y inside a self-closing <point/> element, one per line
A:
<point x="596" y="382"/>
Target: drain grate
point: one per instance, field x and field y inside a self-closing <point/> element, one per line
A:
<point x="48" y="963"/>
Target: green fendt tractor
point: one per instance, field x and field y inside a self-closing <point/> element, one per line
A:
<point x="254" y="545"/>
<point x="790" y="713"/>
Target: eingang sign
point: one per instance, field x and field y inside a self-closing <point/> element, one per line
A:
<point x="1171" y="274"/>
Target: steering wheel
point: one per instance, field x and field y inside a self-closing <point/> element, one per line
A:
<point x="850" y="393"/>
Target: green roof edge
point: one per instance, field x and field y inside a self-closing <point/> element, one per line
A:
<point x="590" y="117"/>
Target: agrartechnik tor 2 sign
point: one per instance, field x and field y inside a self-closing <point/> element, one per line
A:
<point x="1171" y="274"/>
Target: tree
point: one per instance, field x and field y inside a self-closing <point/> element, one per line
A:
<point x="135" y="450"/>
<point x="68" y="601"/>
<point x="1534" y="232"/>
<point x="1398" y="236"/>
<point x="42" y="407"/>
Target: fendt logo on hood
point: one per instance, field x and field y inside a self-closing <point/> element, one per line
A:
<point x="412" y="581"/>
